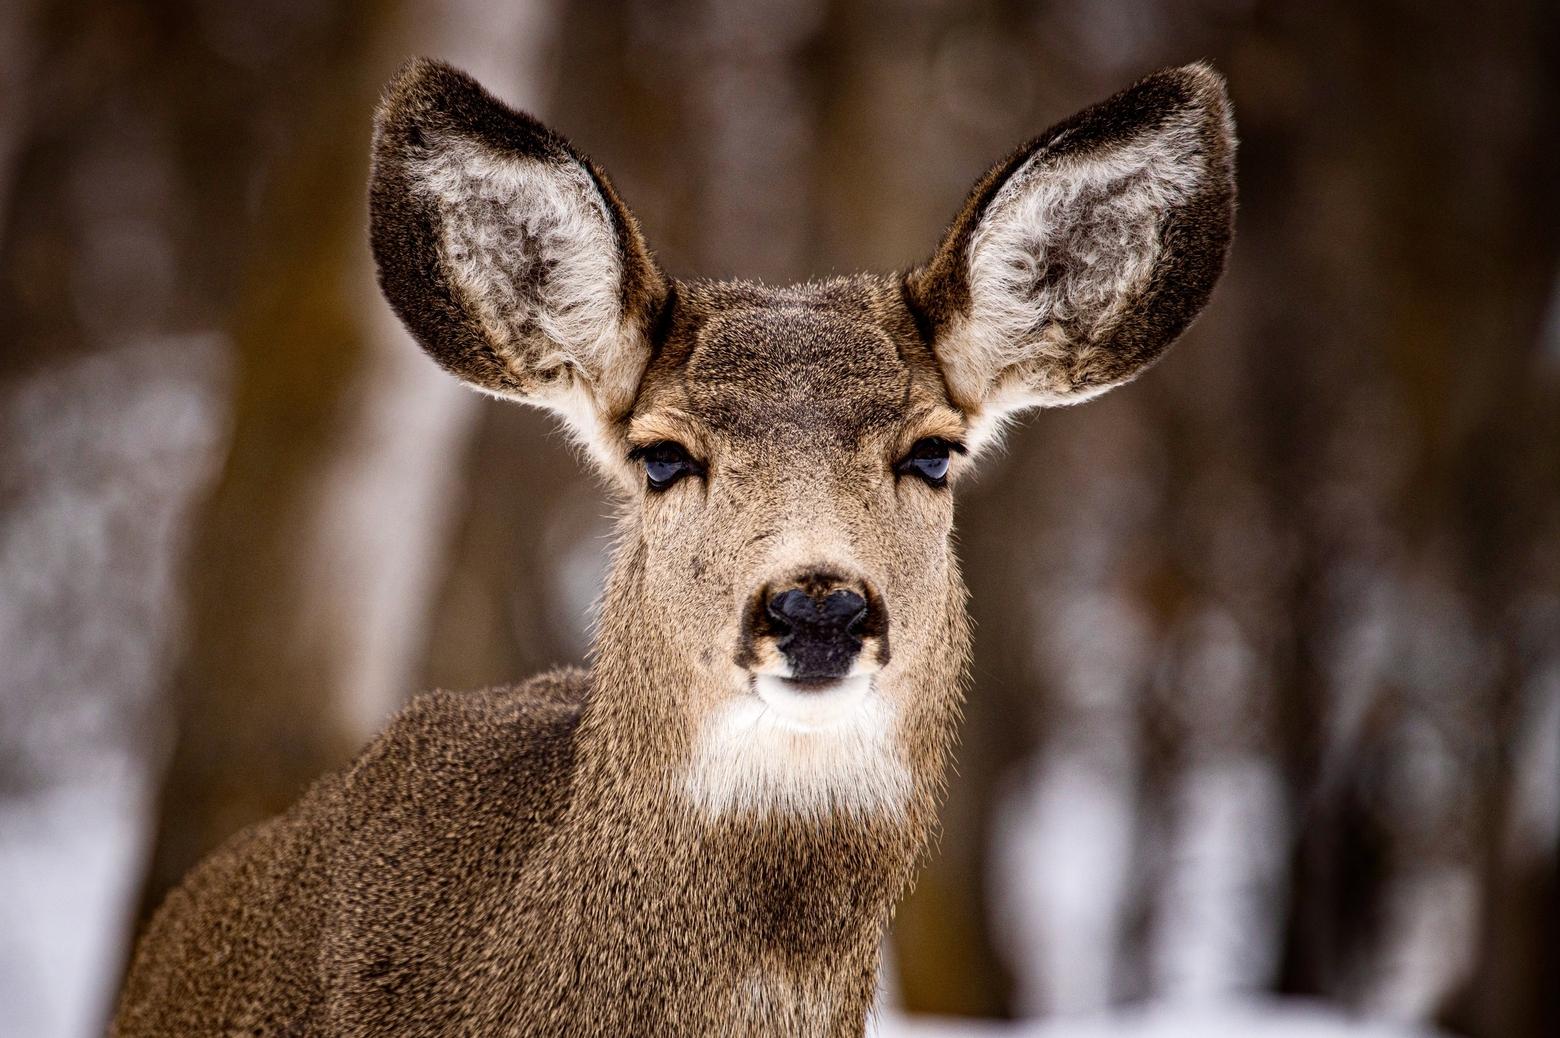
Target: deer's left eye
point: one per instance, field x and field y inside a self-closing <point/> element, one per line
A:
<point x="665" y="463"/>
<point x="928" y="459"/>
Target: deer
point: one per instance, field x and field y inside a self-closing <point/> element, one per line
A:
<point x="708" y="830"/>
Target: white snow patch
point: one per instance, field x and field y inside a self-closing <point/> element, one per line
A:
<point x="103" y="457"/>
<point x="69" y="865"/>
<point x="1063" y="847"/>
<point x="1431" y="934"/>
<point x="1534" y="829"/>
<point x="1221" y="902"/>
<point x="1258" y="1018"/>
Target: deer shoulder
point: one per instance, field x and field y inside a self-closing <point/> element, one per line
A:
<point x="309" y="917"/>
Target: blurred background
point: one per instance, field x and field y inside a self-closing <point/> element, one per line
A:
<point x="1265" y="735"/>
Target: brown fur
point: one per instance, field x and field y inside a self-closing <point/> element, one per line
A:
<point x="538" y="859"/>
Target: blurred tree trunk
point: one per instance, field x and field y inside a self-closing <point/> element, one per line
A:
<point x="318" y="556"/>
<point x="255" y="714"/>
<point x="1420" y="392"/>
<point x="130" y="135"/>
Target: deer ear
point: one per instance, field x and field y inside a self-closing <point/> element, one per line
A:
<point x="1076" y="262"/>
<point x="507" y="254"/>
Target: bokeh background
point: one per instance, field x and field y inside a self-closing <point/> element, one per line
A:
<point x="1266" y="722"/>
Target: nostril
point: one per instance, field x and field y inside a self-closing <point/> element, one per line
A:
<point x="790" y="608"/>
<point x="845" y="609"/>
<point x="857" y="625"/>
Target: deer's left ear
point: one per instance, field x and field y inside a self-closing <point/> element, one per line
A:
<point x="1076" y="262"/>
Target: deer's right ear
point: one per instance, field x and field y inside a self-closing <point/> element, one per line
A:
<point x="508" y="255"/>
<point x="1076" y="262"/>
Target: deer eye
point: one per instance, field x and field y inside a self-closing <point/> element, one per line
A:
<point x="928" y="459"/>
<point x="665" y="463"/>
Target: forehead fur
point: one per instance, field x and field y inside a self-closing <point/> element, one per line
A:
<point x="841" y="357"/>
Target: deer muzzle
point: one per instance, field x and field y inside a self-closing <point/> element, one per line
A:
<point x="817" y="626"/>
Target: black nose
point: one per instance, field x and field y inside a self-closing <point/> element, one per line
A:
<point x="819" y="636"/>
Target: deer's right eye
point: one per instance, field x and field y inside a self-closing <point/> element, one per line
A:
<point x="928" y="459"/>
<point x="665" y="463"/>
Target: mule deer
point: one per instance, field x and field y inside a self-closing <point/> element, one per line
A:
<point x="706" y="832"/>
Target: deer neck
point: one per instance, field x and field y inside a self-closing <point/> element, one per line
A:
<point x="811" y="881"/>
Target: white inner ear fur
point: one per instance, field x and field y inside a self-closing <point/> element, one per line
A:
<point x="529" y="245"/>
<point x="1097" y="215"/>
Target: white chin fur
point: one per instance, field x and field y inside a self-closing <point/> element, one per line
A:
<point x="811" y="709"/>
<point x="812" y="752"/>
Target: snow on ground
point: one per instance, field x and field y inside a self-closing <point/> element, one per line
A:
<point x="1258" y="1018"/>
<point x="68" y="862"/>
<point x="1061" y="870"/>
<point x="102" y="460"/>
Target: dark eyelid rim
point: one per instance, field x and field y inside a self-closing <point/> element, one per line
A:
<point x="644" y="450"/>
<point x="952" y="446"/>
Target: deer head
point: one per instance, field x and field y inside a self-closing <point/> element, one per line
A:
<point x="785" y="615"/>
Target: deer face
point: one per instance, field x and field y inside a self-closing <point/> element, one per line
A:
<point x="789" y="456"/>
<point x="797" y="448"/>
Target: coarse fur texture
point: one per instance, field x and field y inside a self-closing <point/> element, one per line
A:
<point x="693" y="837"/>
